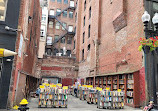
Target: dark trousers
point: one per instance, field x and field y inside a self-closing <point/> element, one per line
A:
<point x="75" y="92"/>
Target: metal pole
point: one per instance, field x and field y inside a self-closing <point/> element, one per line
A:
<point x="146" y="68"/>
<point x="153" y="78"/>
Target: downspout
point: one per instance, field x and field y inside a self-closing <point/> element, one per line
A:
<point x="97" y="41"/>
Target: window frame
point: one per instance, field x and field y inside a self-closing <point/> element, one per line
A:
<point x="61" y="41"/>
<point x="68" y="54"/>
<point x="5" y="11"/>
<point x="57" y="25"/>
<point x="83" y="37"/>
<point x="65" y="25"/>
<point x="65" y="14"/>
<point x="58" y="12"/>
<point x="66" y="2"/>
<point x="71" y="14"/>
<point x="76" y="17"/>
<point x="90" y="12"/>
<point x="56" y="38"/>
<point x="74" y="44"/>
<point x="52" y="12"/>
<point x="88" y="47"/>
<point x="59" y="1"/>
<point x="85" y="5"/>
<point x="82" y="54"/>
<point x="89" y="31"/>
<point x="84" y="21"/>
<point x="50" y="24"/>
<point x="70" y="26"/>
<point x="69" y="40"/>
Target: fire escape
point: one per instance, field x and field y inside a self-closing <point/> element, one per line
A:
<point x="67" y="32"/>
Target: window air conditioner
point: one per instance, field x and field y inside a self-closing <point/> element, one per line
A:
<point x="58" y="54"/>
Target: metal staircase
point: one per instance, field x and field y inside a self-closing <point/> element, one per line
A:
<point x="56" y="17"/>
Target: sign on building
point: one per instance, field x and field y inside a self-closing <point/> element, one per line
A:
<point x="49" y="40"/>
<point x="20" y="45"/>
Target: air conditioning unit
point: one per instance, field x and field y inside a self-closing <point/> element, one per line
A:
<point x="72" y="4"/>
<point x="58" y="54"/>
<point x="70" y="29"/>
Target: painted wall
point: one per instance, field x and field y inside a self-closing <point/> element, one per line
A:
<point x="7" y="41"/>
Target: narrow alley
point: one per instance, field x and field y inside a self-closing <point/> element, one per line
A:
<point x="101" y="51"/>
<point x="74" y="104"/>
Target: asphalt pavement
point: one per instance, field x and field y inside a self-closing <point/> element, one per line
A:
<point x="74" y="104"/>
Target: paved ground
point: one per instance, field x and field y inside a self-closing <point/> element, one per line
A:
<point x="74" y="104"/>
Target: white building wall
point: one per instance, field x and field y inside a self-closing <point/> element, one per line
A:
<point x="44" y="22"/>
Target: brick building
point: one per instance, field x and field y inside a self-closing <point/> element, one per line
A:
<point x="108" y="46"/>
<point x="24" y="79"/>
<point x="105" y="44"/>
<point x="58" y="62"/>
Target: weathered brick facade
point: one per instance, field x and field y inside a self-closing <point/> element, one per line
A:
<point x="25" y="62"/>
<point x="52" y="65"/>
<point x="61" y="67"/>
<point x="116" y="27"/>
<point x="115" y="31"/>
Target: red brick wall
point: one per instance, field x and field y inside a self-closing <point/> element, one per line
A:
<point x="62" y="67"/>
<point x="142" y="86"/>
<point x="117" y="26"/>
<point x="69" y="21"/>
<point x="68" y="81"/>
<point x="23" y="63"/>
<point x="33" y="36"/>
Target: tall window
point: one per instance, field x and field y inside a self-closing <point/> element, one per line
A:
<point x="61" y="51"/>
<point x="70" y="28"/>
<point x="85" y="5"/>
<point x="49" y="52"/>
<point x="68" y="52"/>
<point x="88" y="48"/>
<point x="75" y="30"/>
<point x="51" y="12"/>
<point x="56" y="37"/>
<point x="43" y="18"/>
<point x="3" y="8"/>
<point x="76" y="17"/>
<point x="42" y="33"/>
<point x="74" y="44"/>
<point x="83" y="36"/>
<point x="89" y="31"/>
<point x="63" y="40"/>
<point x="84" y="19"/>
<point x="50" y="24"/>
<point x="58" y="11"/>
<point x="72" y="4"/>
<point x="65" y="14"/>
<point x="59" y="1"/>
<point x="57" y="26"/>
<point x="76" y="3"/>
<point x="70" y="14"/>
<point x="64" y="26"/>
<point x="69" y="40"/>
<point x="65" y="1"/>
<point x="89" y="12"/>
<point x="83" y="54"/>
